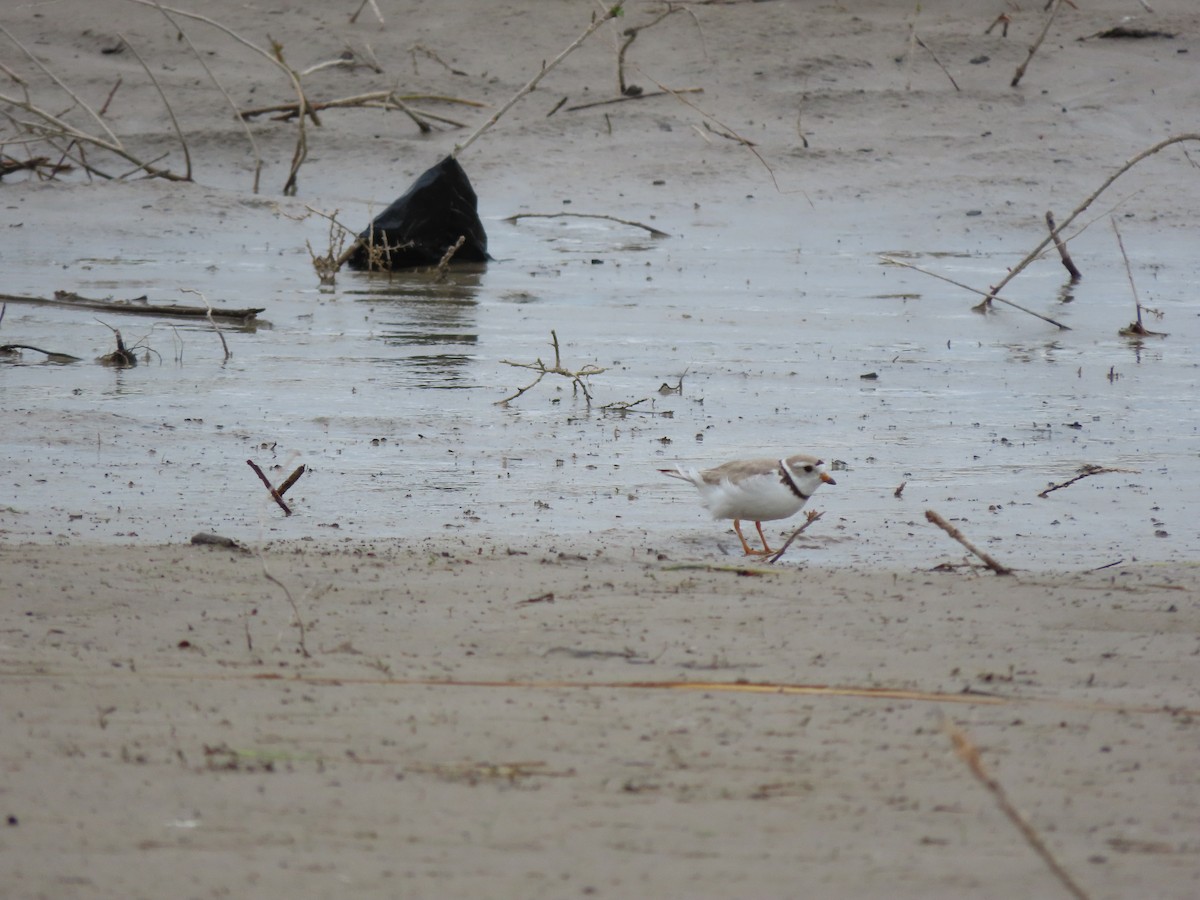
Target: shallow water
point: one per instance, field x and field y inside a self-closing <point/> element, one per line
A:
<point x="388" y="387"/>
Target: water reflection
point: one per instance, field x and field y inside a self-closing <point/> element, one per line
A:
<point x="430" y="323"/>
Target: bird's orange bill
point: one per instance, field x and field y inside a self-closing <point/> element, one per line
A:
<point x="825" y="478"/>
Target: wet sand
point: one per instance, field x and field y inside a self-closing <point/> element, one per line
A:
<point x="528" y="667"/>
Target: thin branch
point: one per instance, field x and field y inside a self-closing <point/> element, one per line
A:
<point x="987" y="295"/>
<point x="291" y="602"/>
<point x="211" y="320"/>
<point x="941" y="523"/>
<point x="811" y="516"/>
<point x="275" y="495"/>
<point x="1084" y="472"/>
<point x="1129" y="164"/>
<point x="258" y="161"/>
<point x="1059" y="245"/>
<point x="187" y="156"/>
<point x="70" y="93"/>
<point x="1020" y="73"/>
<point x="654" y="231"/>
<point x="599" y="20"/>
<point x="969" y="753"/>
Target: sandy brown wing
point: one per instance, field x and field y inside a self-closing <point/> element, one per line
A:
<point x="740" y="469"/>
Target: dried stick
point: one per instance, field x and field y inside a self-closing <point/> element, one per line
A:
<point x="211" y="320"/>
<point x="258" y="161"/>
<point x="941" y="523"/>
<point x="626" y="97"/>
<point x="1084" y="472"/>
<point x="561" y="215"/>
<point x="599" y="20"/>
<point x="1134" y="329"/>
<point x="291" y="479"/>
<point x="945" y="71"/>
<point x="443" y="265"/>
<point x="630" y="35"/>
<point x="291" y="602"/>
<point x="557" y="369"/>
<point x="275" y="495"/>
<point x="374" y="8"/>
<point x="811" y="516"/>
<point x="369" y="100"/>
<point x="187" y="156"/>
<point x="987" y="295"/>
<point x="112" y="138"/>
<point x="1019" y="74"/>
<point x="969" y="753"/>
<point x="1069" y="263"/>
<point x="1129" y="164"/>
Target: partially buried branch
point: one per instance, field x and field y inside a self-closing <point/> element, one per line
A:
<point x="969" y="753"/>
<point x="1067" y="262"/>
<point x="941" y="523"/>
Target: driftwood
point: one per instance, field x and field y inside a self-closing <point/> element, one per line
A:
<point x="137" y="306"/>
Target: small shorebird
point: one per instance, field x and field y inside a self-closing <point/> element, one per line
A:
<point x="758" y="490"/>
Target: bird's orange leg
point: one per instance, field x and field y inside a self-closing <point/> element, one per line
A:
<point x="750" y="551"/>
<point x="766" y="551"/>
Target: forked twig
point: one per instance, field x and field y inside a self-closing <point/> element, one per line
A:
<point x="969" y="753"/>
<point x="275" y="495"/>
<point x="941" y="523"/>
<point x="577" y="377"/>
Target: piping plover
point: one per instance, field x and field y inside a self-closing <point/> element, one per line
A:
<point x="758" y="490"/>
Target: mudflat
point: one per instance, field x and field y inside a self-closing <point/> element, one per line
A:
<point x="556" y="701"/>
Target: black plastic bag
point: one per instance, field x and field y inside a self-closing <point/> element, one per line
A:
<point x="428" y="220"/>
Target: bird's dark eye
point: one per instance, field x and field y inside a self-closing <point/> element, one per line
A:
<point x="808" y="468"/>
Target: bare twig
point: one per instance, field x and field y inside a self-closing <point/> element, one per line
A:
<point x="187" y="156"/>
<point x="258" y="161"/>
<point x="597" y="21"/>
<point x="374" y="8"/>
<point x="275" y="495"/>
<point x="654" y="231"/>
<point x="137" y="306"/>
<point x="941" y="523"/>
<point x="443" y="265"/>
<point x="1129" y="164"/>
<point x="1084" y="472"/>
<point x="1067" y="262"/>
<point x="577" y="377"/>
<point x="1133" y="329"/>
<point x="630" y="34"/>
<point x="626" y="97"/>
<point x="969" y="753"/>
<point x="291" y="602"/>
<point x="1020" y="73"/>
<point x="945" y="71"/>
<point x="211" y="320"/>
<point x="811" y="516"/>
<point x="987" y="295"/>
